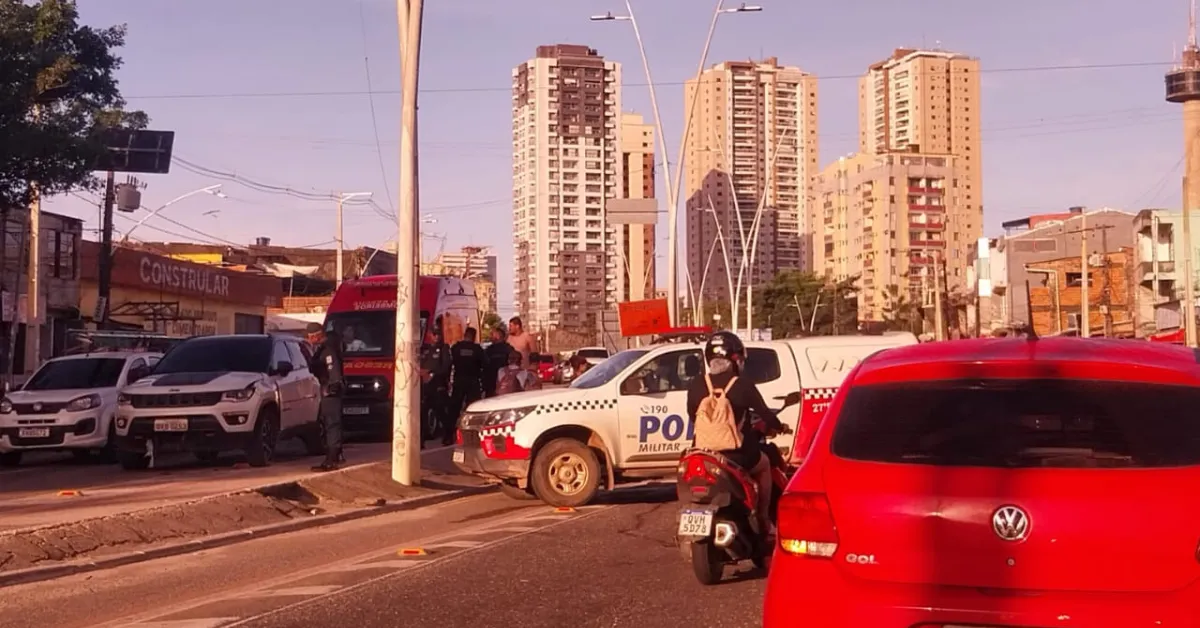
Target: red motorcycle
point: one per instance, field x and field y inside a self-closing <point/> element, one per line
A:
<point x="718" y="520"/>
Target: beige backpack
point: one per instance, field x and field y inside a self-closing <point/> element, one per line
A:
<point x="717" y="428"/>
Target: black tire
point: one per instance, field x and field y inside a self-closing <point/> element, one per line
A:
<point x="133" y="460"/>
<point x="260" y="451"/>
<point x="207" y="457"/>
<point x="706" y="564"/>
<point x="557" y="469"/>
<point x="10" y="459"/>
<point x="108" y="454"/>
<point x="515" y="492"/>
<point x="430" y="426"/>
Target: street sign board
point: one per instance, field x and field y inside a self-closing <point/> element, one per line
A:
<point x="644" y="318"/>
<point x="140" y="151"/>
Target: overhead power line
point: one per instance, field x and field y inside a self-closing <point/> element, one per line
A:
<point x="508" y="88"/>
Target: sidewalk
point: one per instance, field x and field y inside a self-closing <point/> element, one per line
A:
<point x="31" y="497"/>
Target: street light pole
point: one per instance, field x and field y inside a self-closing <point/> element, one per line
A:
<point x="342" y="198"/>
<point x="672" y="189"/>
<point x="406" y="399"/>
<point x="214" y="190"/>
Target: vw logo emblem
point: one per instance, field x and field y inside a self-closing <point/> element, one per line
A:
<point x="37" y="407"/>
<point x="1010" y="523"/>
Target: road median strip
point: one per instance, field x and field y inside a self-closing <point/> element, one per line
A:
<point x="43" y="553"/>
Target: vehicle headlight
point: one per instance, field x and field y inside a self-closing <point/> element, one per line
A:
<point x="84" y="403"/>
<point x="124" y="400"/>
<point x="244" y="394"/>
<point x="504" y="417"/>
<point x="6" y="407"/>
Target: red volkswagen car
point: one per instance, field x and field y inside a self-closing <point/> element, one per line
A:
<point x="999" y="483"/>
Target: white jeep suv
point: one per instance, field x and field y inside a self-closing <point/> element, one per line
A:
<point x="210" y="394"/>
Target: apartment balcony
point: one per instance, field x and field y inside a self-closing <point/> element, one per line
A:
<point x="916" y="189"/>
<point x="1165" y="272"/>
<point x="924" y="207"/>
<point x="926" y="225"/>
<point x="927" y="243"/>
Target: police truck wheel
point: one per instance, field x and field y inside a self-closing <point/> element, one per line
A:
<point x="516" y="492"/>
<point x="260" y="451"/>
<point x="566" y="472"/>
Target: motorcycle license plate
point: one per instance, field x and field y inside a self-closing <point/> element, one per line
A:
<point x="695" y="523"/>
<point x="459" y="455"/>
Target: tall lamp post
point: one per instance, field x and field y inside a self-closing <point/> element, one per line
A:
<point x="214" y="190"/>
<point x="673" y="186"/>
<point x="341" y="200"/>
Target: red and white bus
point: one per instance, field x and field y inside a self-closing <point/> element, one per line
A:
<point x="363" y="313"/>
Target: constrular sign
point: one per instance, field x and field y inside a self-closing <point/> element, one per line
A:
<point x="164" y="274"/>
<point x="644" y="318"/>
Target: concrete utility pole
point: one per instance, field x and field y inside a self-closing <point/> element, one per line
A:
<point x="1189" y="278"/>
<point x="1085" y="295"/>
<point x="342" y="198"/>
<point x="939" y="332"/>
<point x="406" y="396"/>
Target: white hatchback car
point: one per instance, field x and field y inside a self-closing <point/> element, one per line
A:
<point x="68" y="404"/>
<point x="210" y="394"/>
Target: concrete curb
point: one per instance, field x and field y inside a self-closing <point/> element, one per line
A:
<point x="50" y="572"/>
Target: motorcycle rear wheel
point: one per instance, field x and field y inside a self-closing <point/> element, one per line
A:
<point x="707" y="563"/>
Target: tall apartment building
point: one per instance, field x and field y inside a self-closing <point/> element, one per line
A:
<point x="566" y="161"/>
<point x="753" y="136"/>
<point x="635" y="232"/>
<point x="927" y="101"/>
<point x="882" y="218"/>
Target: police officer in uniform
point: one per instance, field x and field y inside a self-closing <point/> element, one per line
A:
<point x="470" y="363"/>
<point x="435" y="380"/>
<point x="327" y="366"/>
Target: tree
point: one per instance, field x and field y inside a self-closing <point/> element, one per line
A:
<point x="901" y="312"/>
<point x="58" y="94"/>
<point x="488" y="322"/>
<point x="787" y="305"/>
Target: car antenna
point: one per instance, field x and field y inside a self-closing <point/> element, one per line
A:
<point x="1030" y="333"/>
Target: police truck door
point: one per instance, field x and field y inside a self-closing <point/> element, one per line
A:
<point x="652" y="409"/>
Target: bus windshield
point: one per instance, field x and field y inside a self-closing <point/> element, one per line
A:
<point x="367" y="333"/>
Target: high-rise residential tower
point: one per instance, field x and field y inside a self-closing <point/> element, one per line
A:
<point x="566" y="105"/>
<point x="635" y="231"/>
<point x="753" y="136"/>
<point x="927" y="101"/>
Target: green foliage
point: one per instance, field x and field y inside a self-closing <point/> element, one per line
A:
<point x="58" y="93"/>
<point x="787" y="304"/>
<point x="488" y="322"/>
<point x="901" y="312"/>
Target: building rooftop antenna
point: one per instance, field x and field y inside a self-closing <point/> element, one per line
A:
<point x="1192" y="26"/>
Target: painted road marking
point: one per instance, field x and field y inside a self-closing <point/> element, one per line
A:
<point x="292" y="592"/>
<point x="459" y="544"/>
<point x="382" y="564"/>
<point x="209" y="622"/>
<point x="509" y="529"/>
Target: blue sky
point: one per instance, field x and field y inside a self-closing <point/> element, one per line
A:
<point x="276" y="91"/>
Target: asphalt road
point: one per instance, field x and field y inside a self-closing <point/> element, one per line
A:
<point x="483" y="561"/>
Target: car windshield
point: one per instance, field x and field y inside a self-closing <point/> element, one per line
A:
<point x="367" y="333"/>
<point x="77" y="373"/>
<point x="604" y="372"/>
<point x="592" y="353"/>
<point x="1021" y="423"/>
<point x="250" y="354"/>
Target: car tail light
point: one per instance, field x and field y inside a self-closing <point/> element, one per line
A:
<point x="696" y="470"/>
<point x="806" y="525"/>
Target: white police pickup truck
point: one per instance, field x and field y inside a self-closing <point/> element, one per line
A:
<point x="626" y="419"/>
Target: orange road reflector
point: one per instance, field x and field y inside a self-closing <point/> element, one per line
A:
<point x="413" y="551"/>
<point x="70" y="493"/>
<point x="564" y="510"/>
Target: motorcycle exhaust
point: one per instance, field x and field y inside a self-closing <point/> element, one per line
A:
<point x="725" y="534"/>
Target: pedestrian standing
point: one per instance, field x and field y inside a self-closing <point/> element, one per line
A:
<point x="327" y="366"/>
<point x="469" y="366"/>
<point x="521" y="340"/>
<point x="497" y="358"/>
<point x="435" y="380"/>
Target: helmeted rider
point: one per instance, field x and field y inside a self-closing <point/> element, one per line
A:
<point x="725" y="357"/>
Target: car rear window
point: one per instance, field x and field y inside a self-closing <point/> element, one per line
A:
<point x="762" y="366"/>
<point x="1021" y="423"/>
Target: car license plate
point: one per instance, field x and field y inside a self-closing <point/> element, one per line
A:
<point x="356" y="410"/>
<point x="33" y="432"/>
<point x="170" y="425"/>
<point x="695" y="523"/>
<point x="459" y="455"/>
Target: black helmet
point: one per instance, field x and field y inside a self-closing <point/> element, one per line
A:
<point x="723" y="344"/>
